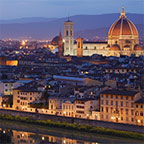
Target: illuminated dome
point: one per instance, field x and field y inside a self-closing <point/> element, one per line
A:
<point x="138" y="47"/>
<point x="123" y="26"/>
<point x="115" y="47"/>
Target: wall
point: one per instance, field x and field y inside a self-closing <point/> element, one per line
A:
<point x="97" y="123"/>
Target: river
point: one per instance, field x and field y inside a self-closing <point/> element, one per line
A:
<point x="22" y="133"/>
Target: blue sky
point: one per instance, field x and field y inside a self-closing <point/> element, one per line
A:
<point x="10" y="9"/>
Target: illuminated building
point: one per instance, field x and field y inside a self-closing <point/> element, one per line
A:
<point x="22" y="96"/>
<point x="123" y="39"/>
<point x="68" y="37"/>
<point x="139" y="112"/>
<point x="121" y="106"/>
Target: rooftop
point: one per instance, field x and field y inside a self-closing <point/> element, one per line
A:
<point x="120" y="92"/>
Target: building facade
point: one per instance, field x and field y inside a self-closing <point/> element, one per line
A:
<point x="121" y="107"/>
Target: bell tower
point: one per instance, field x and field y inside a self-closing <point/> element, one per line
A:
<point x="68" y="37"/>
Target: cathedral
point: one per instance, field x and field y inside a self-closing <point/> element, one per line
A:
<point x="123" y="39"/>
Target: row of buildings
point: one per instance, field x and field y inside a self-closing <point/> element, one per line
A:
<point x="70" y="97"/>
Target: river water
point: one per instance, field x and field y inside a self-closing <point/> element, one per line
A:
<point x="21" y="133"/>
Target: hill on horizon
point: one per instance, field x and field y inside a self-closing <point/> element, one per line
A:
<point x="86" y="26"/>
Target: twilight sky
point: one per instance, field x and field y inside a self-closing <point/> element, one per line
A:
<point x="10" y="9"/>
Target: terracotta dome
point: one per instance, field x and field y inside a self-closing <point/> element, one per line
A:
<point x="137" y="47"/>
<point x="115" y="47"/>
<point x="123" y="26"/>
<point x="55" y="40"/>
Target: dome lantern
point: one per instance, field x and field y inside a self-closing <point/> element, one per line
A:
<point x="123" y="15"/>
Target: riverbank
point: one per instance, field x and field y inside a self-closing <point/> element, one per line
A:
<point x="75" y="126"/>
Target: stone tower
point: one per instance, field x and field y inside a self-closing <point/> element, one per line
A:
<point x="60" y="45"/>
<point x="79" y="47"/>
<point x="68" y="37"/>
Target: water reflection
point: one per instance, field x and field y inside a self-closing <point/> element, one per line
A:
<point x="21" y="137"/>
<point x="22" y="133"/>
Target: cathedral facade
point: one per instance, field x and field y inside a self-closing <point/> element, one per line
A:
<point x="123" y="39"/>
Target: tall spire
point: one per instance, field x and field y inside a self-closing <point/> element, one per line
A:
<point x="123" y="12"/>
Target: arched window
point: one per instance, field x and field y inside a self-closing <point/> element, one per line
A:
<point x="95" y="48"/>
<point x="67" y="33"/>
<point x="71" y="33"/>
<point x="141" y="113"/>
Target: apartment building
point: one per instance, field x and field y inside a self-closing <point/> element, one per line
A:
<point x="118" y="105"/>
<point x="24" y="95"/>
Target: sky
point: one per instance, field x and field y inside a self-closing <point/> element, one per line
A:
<point x="11" y="9"/>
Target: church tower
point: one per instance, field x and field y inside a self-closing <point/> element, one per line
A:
<point x="60" y="45"/>
<point x="68" y="37"/>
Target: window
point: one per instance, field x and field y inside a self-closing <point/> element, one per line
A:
<point x="131" y="112"/>
<point x="67" y="33"/>
<point x="132" y="119"/>
<point x="121" y="110"/>
<point x="71" y="33"/>
<point x="121" y="97"/>
<point x="127" y="98"/>
<point x="141" y="113"/>
<point x="106" y="96"/>
<point x="116" y="97"/>
<point x="106" y="102"/>
<point x="126" y="118"/>
<point x="94" y="48"/>
<point x="116" y="103"/>
<point x="51" y="106"/>
<point x="121" y="118"/>
<point x="102" y="109"/>
<point x="132" y="104"/>
<point x="86" y="48"/>
<point x="141" y="106"/>
<point x="127" y="104"/>
<point x="106" y="109"/>
<point x="132" y="98"/>
<point x="121" y="103"/>
<point x="111" y="102"/>
<point x="136" y="106"/>
<point x="111" y="96"/>
<point x="126" y="111"/>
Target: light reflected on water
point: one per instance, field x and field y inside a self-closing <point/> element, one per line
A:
<point x="21" y="137"/>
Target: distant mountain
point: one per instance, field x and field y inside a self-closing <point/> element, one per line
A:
<point x="87" y="26"/>
<point x="27" y="20"/>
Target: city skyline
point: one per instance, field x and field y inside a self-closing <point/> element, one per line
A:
<point x="62" y="8"/>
